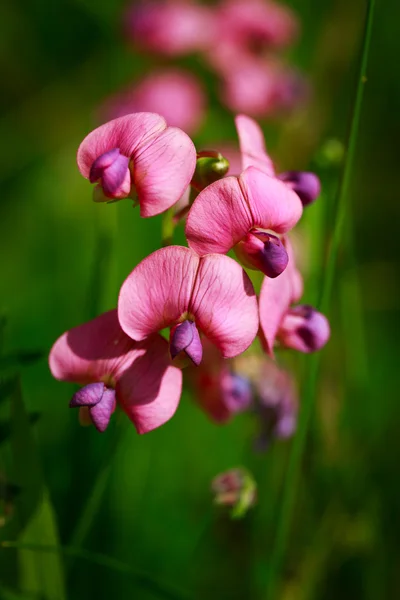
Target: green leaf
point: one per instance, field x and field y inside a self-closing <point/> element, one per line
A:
<point x="38" y="573"/>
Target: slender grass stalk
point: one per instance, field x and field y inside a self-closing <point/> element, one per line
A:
<point x="142" y="579"/>
<point x="292" y="475"/>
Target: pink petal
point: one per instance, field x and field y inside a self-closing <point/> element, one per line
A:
<point x="218" y="218"/>
<point x="157" y="292"/>
<point x="129" y="134"/>
<point x="224" y="304"/>
<point x="92" y="351"/>
<point x="162" y="170"/>
<point x="252" y="145"/>
<point x="275" y="299"/>
<point x="149" y="391"/>
<point x="272" y="204"/>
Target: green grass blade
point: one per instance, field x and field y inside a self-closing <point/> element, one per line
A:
<point x="291" y="479"/>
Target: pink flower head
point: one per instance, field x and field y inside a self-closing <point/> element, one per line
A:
<point x="300" y="327"/>
<point x="113" y="368"/>
<point x="242" y="212"/>
<point x="218" y="388"/>
<point x="172" y="28"/>
<point x="138" y="152"/>
<point x="175" y="94"/>
<point x="173" y="287"/>
<point x="257" y="24"/>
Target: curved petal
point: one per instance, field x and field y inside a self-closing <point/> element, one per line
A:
<point x="127" y="133"/>
<point x="157" y="292"/>
<point x="224" y="304"/>
<point x="275" y="299"/>
<point x="162" y="170"/>
<point x="92" y="351"/>
<point x="218" y="218"/>
<point x="252" y="145"/>
<point x="272" y="204"/>
<point x="150" y="389"/>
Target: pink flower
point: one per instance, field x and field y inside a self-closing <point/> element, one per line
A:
<point x="240" y="212"/>
<point x="115" y="369"/>
<point x="173" y="28"/>
<point x="173" y="287"/>
<point x="256" y="24"/>
<point x="300" y="327"/>
<point x="175" y="94"/>
<point x="217" y="387"/>
<point x="138" y="153"/>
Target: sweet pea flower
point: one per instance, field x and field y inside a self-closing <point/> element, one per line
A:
<point x="139" y="153"/>
<point x="218" y="388"/>
<point x="112" y="368"/>
<point x="173" y="287"/>
<point x="257" y="24"/>
<point x="299" y="327"/>
<point x="171" y="28"/>
<point x="242" y="212"/>
<point x="173" y="93"/>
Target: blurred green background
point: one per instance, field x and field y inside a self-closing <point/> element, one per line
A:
<point x="63" y="259"/>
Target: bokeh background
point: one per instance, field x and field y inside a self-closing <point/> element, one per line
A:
<point x="136" y="512"/>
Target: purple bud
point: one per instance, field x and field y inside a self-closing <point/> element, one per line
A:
<point x="184" y="343"/>
<point x="99" y="400"/>
<point x="304" y="329"/>
<point x="236" y="392"/>
<point x="306" y="185"/>
<point x="262" y="251"/>
<point x="111" y="169"/>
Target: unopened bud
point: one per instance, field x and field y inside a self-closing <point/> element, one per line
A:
<point x="210" y="166"/>
<point x="185" y="344"/>
<point x="262" y="251"/>
<point x="306" y="185"/>
<point x="236" y="489"/>
<point x="304" y="329"/>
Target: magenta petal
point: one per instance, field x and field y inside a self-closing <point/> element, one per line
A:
<point x="252" y="145"/>
<point x="275" y="299"/>
<point x="101" y="163"/>
<point x="219" y="218"/>
<point x="129" y="134"/>
<point x="149" y="391"/>
<point x="306" y="185"/>
<point x="157" y="292"/>
<point x="304" y="329"/>
<point x="102" y="411"/>
<point x="116" y="179"/>
<point x="272" y="204"/>
<point x="89" y="395"/>
<point x="162" y="170"/>
<point x="224" y="304"/>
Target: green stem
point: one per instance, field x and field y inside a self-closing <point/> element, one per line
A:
<point x="109" y="562"/>
<point x="297" y="449"/>
<point x="167" y="227"/>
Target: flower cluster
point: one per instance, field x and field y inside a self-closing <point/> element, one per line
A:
<point x="240" y="41"/>
<point x="205" y="298"/>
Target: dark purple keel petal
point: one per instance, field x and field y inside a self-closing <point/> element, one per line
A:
<point x="264" y="252"/>
<point x="101" y="163"/>
<point x="185" y="338"/>
<point x="236" y="392"/>
<point x="306" y="185"/>
<point x="90" y="395"/>
<point x="102" y="411"/>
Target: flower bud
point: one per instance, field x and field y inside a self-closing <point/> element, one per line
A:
<point x="99" y="402"/>
<point x="304" y="329"/>
<point x="185" y="344"/>
<point x="237" y="489"/>
<point x="306" y="185"/>
<point x="111" y="170"/>
<point x="262" y="251"/>
<point x="210" y="167"/>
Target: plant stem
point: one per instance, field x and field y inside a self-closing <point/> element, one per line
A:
<point x="297" y="449"/>
<point x="167" y="227"/>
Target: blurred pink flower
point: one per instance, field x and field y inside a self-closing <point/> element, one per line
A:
<point x="256" y="24"/>
<point x="172" y="93"/>
<point x="115" y="369"/>
<point x="173" y="287"/>
<point x="173" y="27"/>
<point x="138" y="153"/>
